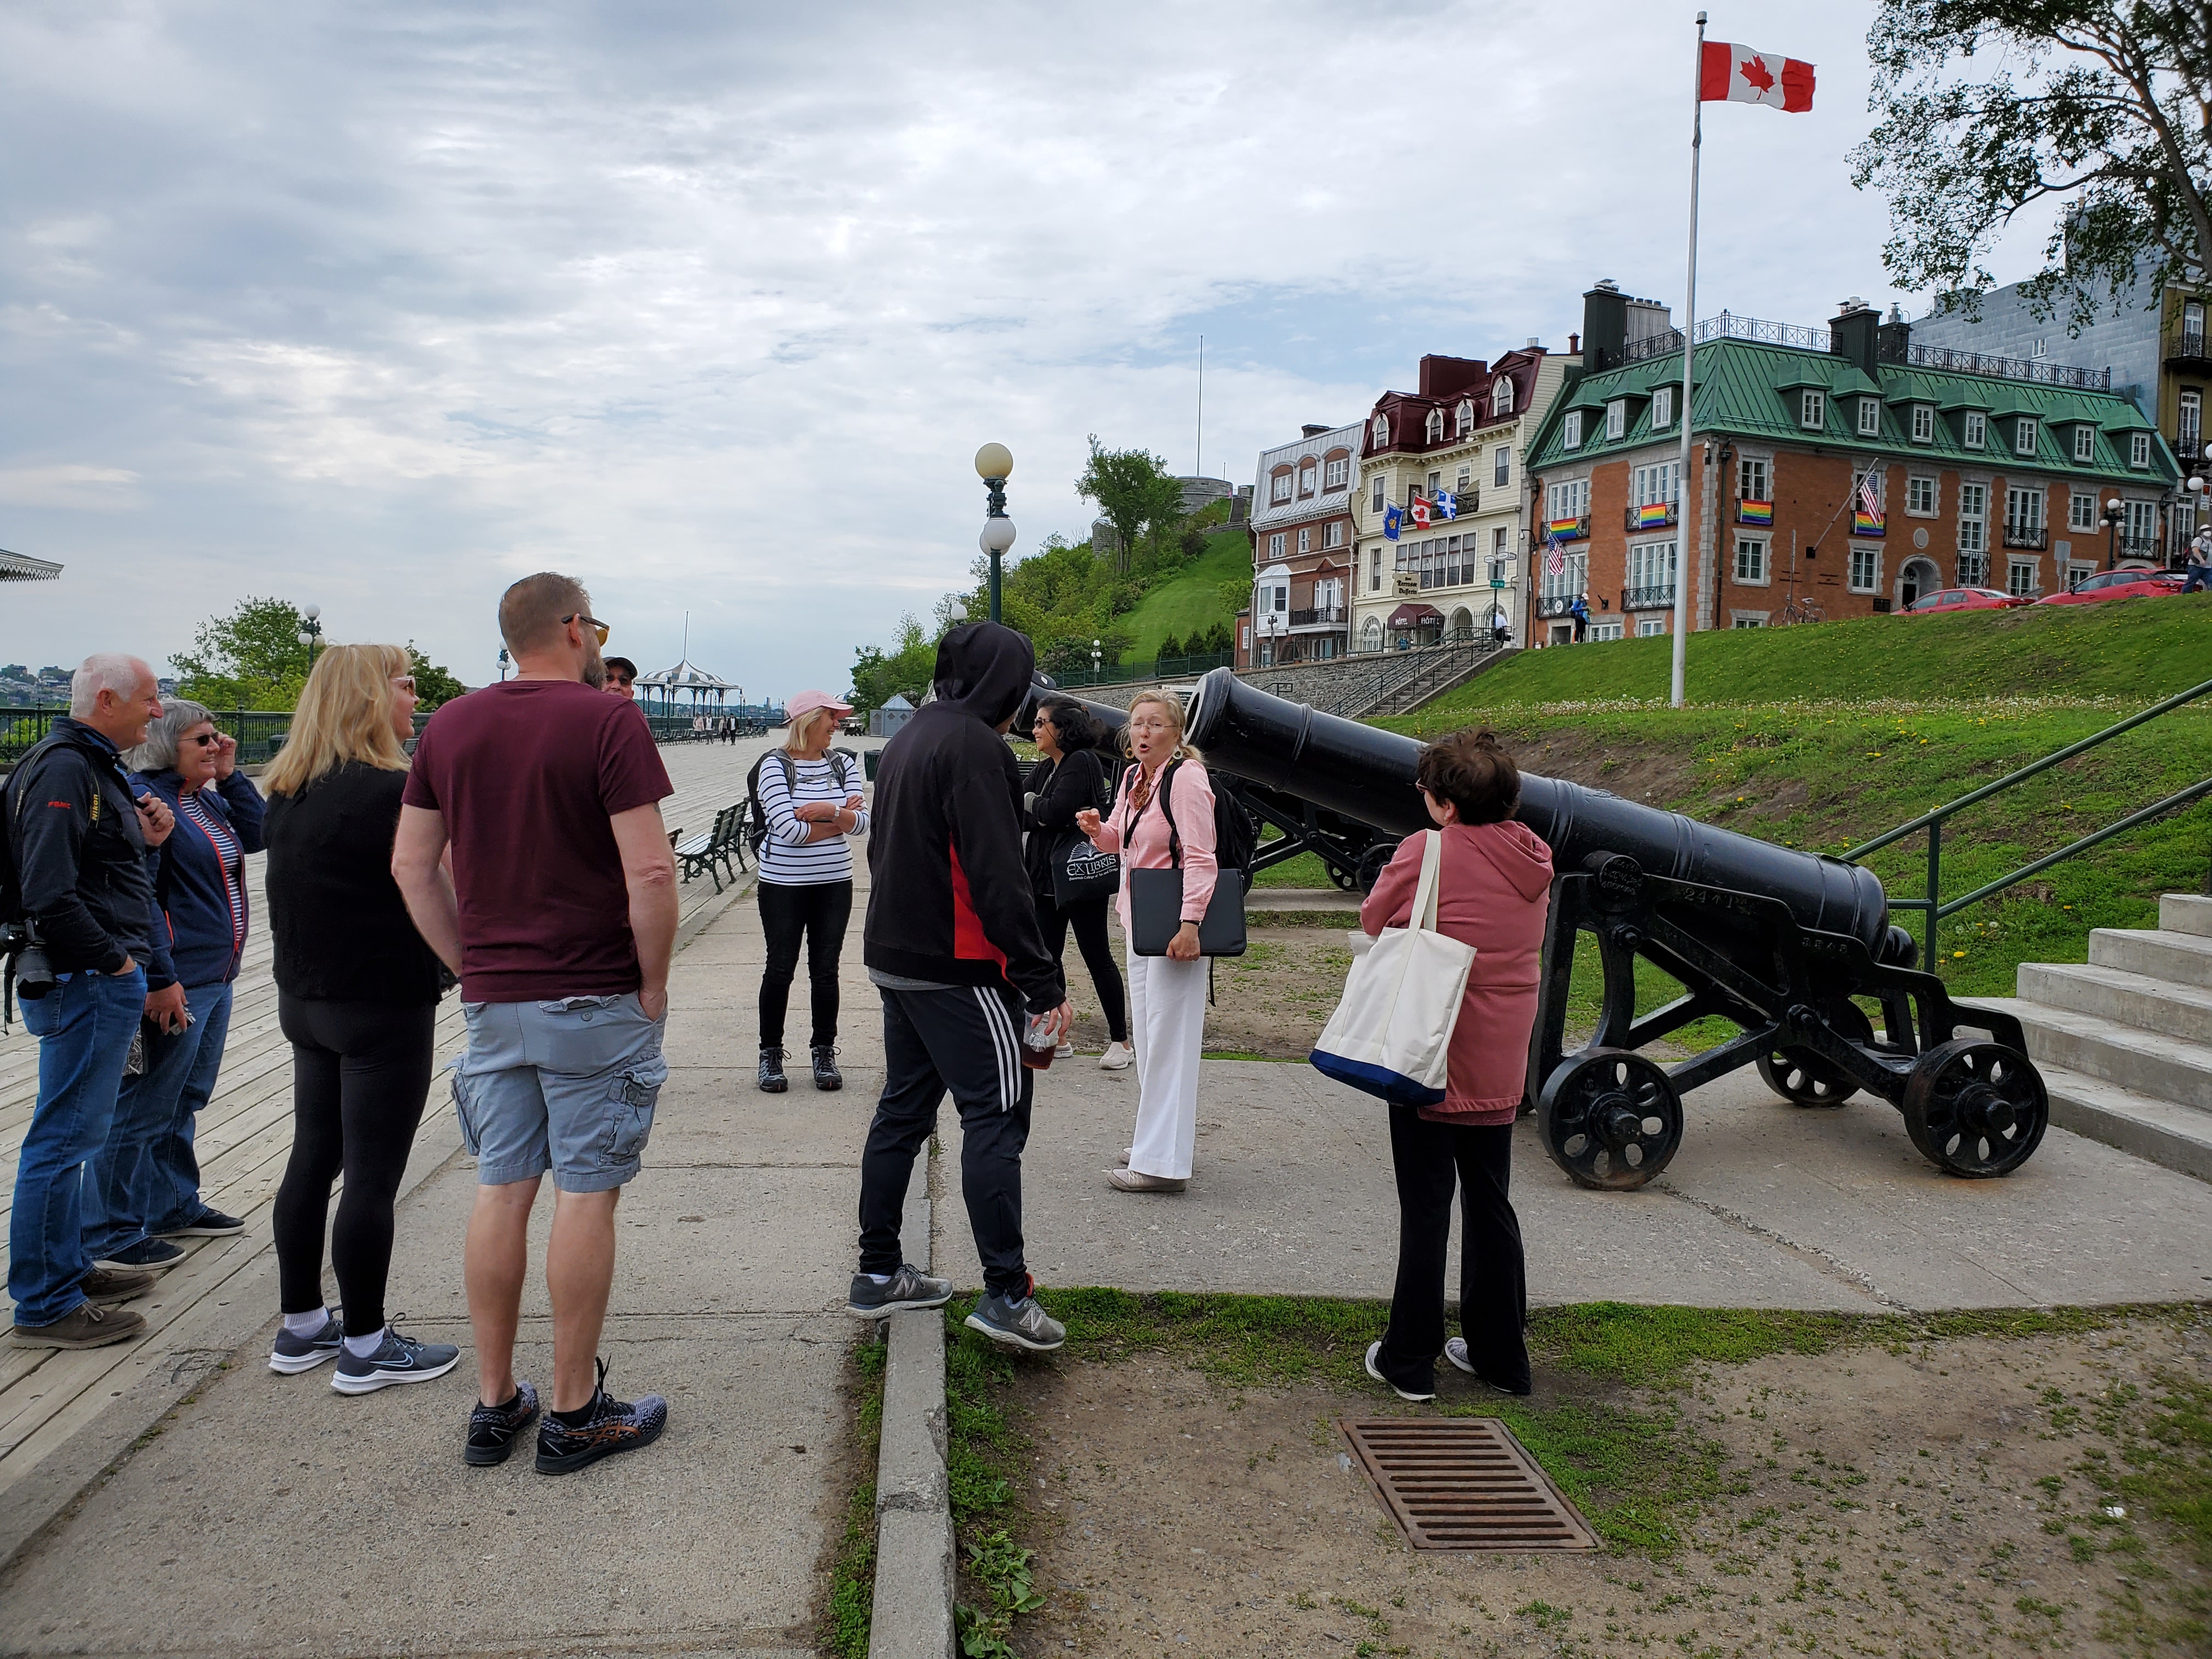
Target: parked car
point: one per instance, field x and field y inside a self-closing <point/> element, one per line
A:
<point x="2118" y="584"/>
<point x="1966" y="598"/>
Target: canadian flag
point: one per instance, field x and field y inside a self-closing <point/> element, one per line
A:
<point x="1738" y="75"/>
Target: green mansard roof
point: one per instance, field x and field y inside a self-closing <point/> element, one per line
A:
<point x="1750" y="389"/>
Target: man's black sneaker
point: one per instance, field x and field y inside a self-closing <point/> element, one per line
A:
<point x="147" y="1255"/>
<point x="908" y="1287"/>
<point x="493" y="1430"/>
<point x="208" y="1224"/>
<point x="1018" y="1322"/>
<point x="826" y="1074"/>
<point x="772" y="1079"/>
<point x="400" y="1359"/>
<point x="609" y="1426"/>
<point x="293" y="1354"/>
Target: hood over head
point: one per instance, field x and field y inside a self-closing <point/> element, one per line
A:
<point x="983" y="668"/>
<point x="1517" y="852"/>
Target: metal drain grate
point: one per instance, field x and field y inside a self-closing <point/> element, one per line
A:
<point x="1464" y="1483"/>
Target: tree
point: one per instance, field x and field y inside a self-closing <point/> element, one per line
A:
<point x="2104" y="106"/>
<point x="905" y="669"/>
<point x="251" y="659"/>
<point x="433" y="684"/>
<point x="1170" y="646"/>
<point x="1134" y="493"/>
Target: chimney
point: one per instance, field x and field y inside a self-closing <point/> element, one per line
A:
<point x="1894" y="339"/>
<point x="1851" y="334"/>
<point x="1441" y="376"/>
<point x="1605" y="325"/>
<point x="1310" y="430"/>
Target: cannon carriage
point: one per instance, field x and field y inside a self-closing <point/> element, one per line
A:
<point x="1788" y="947"/>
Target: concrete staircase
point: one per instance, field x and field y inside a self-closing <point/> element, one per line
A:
<point x="2125" y="1041"/>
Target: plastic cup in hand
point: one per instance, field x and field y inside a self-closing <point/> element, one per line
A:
<point x="1039" y="1042"/>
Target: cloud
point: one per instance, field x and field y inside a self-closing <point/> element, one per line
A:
<point x="80" y="489"/>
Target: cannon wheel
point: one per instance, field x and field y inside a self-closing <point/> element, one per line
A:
<point x="1806" y="1079"/>
<point x="1975" y="1108"/>
<point x="1610" y="1118"/>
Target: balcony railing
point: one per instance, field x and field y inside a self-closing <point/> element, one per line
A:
<point x="1647" y="599"/>
<point x="1322" y="616"/>
<point x="1727" y="327"/>
<point x="2036" y="369"/>
<point x="1578" y="531"/>
<point x="2136" y="547"/>
<point x="1553" y="604"/>
<point x="2188" y="344"/>
<point x="2035" y="536"/>
<point x="1667" y="513"/>
<point x="1666" y="341"/>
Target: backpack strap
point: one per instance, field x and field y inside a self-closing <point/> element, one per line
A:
<point x="1167" y="811"/>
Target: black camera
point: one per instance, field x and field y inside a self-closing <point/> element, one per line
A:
<point x="29" y="972"/>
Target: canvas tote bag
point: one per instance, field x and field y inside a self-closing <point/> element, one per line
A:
<point x="1391" y="1034"/>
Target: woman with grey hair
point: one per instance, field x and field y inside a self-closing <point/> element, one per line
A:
<point x="143" y="1188"/>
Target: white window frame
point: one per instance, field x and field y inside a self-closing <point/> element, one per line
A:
<point x="1812" y="409"/>
<point x="1646" y="626"/>
<point x="1616" y="419"/>
<point x="1752" y="567"/>
<point x="2076" y="573"/>
<point x="1573" y="577"/>
<point x="1501" y="395"/>
<point x="1501" y="466"/>
<point x="2082" y="510"/>
<point x="2026" y="506"/>
<point x="1375" y="570"/>
<point x="1334" y="473"/>
<point x="1567" y="499"/>
<point x="1865" y="573"/>
<point x="2023" y="577"/>
<point x="1308" y="478"/>
<point x="1975" y="429"/>
<point x="1280" y="489"/>
<point x="2085" y="442"/>
<point x="1275" y="545"/>
<point x="2139" y="449"/>
<point x="1606" y="631"/>
<point x="1923" y="495"/>
<point x="1332" y="535"/>
<point x="1658" y="483"/>
<point x="1870" y="417"/>
<point x="1571" y="430"/>
<point x="1382" y="432"/>
<point x="1745" y="465"/>
<point x="1380" y="492"/>
<point x="1924" y="423"/>
<point x="1305" y="541"/>
<point x="1662" y="406"/>
<point x="1746" y="619"/>
<point x="2142" y="523"/>
<point x="1973" y="520"/>
<point x="1463" y="416"/>
<point x="2027" y="433"/>
<point x="1432" y="429"/>
<point x="1655" y="564"/>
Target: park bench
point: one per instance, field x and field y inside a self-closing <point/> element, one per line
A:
<point x="710" y="854"/>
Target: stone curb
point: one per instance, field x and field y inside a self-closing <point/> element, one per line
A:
<point x="913" y="1616"/>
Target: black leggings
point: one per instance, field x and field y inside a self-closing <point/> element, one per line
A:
<point x="1431" y="1159"/>
<point x="359" y="1071"/>
<point x="820" y="910"/>
<point x="1088" y="918"/>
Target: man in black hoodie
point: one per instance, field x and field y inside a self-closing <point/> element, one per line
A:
<point x="952" y="942"/>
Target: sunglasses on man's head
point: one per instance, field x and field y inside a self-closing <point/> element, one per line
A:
<point x="588" y="622"/>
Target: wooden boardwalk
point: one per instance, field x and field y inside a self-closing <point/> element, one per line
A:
<point x="48" y="1397"/>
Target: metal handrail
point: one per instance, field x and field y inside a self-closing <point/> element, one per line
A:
<point x="1933" y="905"/>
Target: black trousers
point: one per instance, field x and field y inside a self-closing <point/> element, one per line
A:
<point x="359" y="1071"/>
<point x="966" y="1039"/>
<point x="1088" y="918"/>
<point x="1431" y="1159"/>
<point x="820" y="911"/>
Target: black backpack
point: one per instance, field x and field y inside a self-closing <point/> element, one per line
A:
<point x="1236" y="839"/>
<point x="755" y="820"/>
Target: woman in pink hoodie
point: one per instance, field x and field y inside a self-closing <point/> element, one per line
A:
<point x="1494" y="893"/>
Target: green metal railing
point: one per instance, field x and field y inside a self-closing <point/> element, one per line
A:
<point x="1158" y="668"/>
<point x="1936" y="908"/>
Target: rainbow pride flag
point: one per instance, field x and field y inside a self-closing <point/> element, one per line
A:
<point x="1652" y="514"/>
<point x="1567" y="529"/>
<point x="1864" y="523"/>
<point x="1754" y="513"/>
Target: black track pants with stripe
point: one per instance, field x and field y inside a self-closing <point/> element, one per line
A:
<point x="966" y="1039"/>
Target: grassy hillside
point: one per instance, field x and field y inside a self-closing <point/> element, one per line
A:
<point x="2128" y="648"/>
<point x="1190" y="600"/>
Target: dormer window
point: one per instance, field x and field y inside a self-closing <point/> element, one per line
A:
<point x="1281" y="491"/>
<point x="1924" y="423"/>
<point x="1434" y="428"/>
<point x="1662" y="406"/>
<point x="2085" y="442"/>
<point x="1975" y="429"/>
<point x="2139" y="449"/>
<point x="1616" y="417"/>
<point x="1466" y="417"/>
<point x="1501" y="397"/>
<point x="2025" y="432"/>
<point x="1309" y="476"/>
<point x="1382" y="432"/>
<point x="1870" y="417"/>
<point x="1571" y="430"/>
<point x="1336" y="471"/>
<point x="1813" y="410"/>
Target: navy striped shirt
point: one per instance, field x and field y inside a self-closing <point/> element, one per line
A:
<point x="788" y="858"/>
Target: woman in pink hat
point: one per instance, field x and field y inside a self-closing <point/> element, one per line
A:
<point x="809" y="799"/>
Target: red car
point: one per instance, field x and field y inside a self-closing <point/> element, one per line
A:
<point x="1965" y="598"/>
<point x="2118" y="585"/>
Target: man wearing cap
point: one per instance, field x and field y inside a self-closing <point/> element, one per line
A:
<point x="809" y="801"/>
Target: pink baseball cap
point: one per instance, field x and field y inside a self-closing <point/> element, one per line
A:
<point x="807" y="701"/>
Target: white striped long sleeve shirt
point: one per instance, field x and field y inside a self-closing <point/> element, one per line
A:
<point x="789" y="859"/>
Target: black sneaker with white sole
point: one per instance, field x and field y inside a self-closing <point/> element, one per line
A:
<point x="147" y="1255"/>
<point x="291" y="1354"/>
<point x="607" y="1425"/>
<point x="909" y="1287"/>
<point x="400" y="1360"/>
<point x="1016" y="1322"/>
<point x="493" y="1430"/>
<point x="208" y="1224"/>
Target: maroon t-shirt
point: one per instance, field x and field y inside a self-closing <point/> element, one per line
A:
<point x="527" y="775"/>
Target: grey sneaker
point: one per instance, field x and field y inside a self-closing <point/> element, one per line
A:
<point x="291" y="1355"/>
<point x="1018" y="1322"/>
<point x="401" y="1360"/>
<point x="908" y="1287"/>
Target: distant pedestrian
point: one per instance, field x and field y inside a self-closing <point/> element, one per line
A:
<point x="560" y="918"/>
<point x="1167" y="995"/>
<point x="1067" y="780"/>
<point x="77" y="842"/>
<point x="809" y="801"/>
<point x="951" y="941"/>
<point x="357" y="995"/>
<point x="1494" y="893"/>
<point x="1579" y="612"/>
<point x="2199" y="563"/>
<point x="143" y="1188"/>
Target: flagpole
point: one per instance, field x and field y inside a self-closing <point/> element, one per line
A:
<point x="1689" y="351"/>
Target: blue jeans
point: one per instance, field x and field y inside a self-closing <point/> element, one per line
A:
<point x="83" y="1026"/>
<point x="146" y="1180"/>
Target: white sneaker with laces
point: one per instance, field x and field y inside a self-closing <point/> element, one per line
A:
<point x="1118" y="1057"/>
<point x="1066" y="1051"/>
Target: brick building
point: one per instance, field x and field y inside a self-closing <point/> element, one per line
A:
<point x="1976" y="479"/>
<point x="1301" y="549"/>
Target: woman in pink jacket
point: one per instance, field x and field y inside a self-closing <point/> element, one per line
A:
<point x="1494" y="893"/>
<point x="1167" y="995"/>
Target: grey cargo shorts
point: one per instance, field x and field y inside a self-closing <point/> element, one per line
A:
<point x="568" y="1085"/>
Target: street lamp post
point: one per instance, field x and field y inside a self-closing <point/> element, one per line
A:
<point x="2196" y="488"/>
<point x="502" y="663"/>
<point x="2114" y="512"/>
<point x="310" y="631"/>
<point x="995" y="465"/>
<point x="1096" y="652"/>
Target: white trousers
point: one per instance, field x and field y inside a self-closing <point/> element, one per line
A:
<point x="1167" y="1022"/>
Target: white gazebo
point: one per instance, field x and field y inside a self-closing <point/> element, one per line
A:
<point x="665" y="686"/>
<point x="21" y="567"/>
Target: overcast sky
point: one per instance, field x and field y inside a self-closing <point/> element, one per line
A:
<point x="381" y="307"/>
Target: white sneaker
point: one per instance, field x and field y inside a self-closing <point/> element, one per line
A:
<point x="1066" y="1051"/>
<point x="1118" y="1057"/>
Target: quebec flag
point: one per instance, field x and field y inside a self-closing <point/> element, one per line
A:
<point x="1447" y="504"/>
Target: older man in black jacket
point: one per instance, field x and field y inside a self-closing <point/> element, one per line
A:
<point x="951" y="941"/>
<point x="76" y="842"/>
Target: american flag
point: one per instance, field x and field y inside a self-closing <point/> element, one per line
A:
<point x="1556" y="563"/>
<point x="1870" y="500"/>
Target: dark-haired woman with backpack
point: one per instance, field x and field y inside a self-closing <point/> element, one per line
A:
<point x="1068" y="780"/>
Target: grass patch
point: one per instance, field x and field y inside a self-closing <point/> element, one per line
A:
<point x="847" y="1622"/>
<point x="1190" y="601"/>
<point x="980" y="1450"/>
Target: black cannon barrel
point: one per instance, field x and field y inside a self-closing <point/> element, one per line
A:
<point x="1367" y="774"/>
